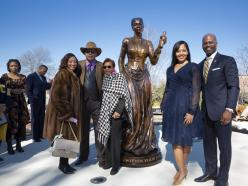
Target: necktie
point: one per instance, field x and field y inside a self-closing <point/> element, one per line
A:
<point x="206" y="69"/>
<point x="89" y="67"/>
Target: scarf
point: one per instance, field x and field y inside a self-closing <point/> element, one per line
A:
<point x="114" y="87"/>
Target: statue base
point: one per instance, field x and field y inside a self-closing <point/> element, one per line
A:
<point x="131" y="160"/>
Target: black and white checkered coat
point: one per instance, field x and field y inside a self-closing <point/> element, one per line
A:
<point x="114" y="87"/>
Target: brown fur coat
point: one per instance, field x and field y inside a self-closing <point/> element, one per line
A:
<point x="64" y="103"/>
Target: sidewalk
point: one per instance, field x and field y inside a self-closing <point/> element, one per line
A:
<point x="37" y="167"/>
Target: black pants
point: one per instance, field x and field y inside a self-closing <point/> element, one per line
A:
<point x="213" y="130"/>
<point x="37" y="117"/>
<point x="90" y="109"/>
<point x="113" y="151"/>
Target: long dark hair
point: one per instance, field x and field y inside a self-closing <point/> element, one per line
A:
<point x="174" y="60"/>
<point x="64" y="61"/>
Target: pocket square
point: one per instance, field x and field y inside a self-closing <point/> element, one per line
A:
<point x="214" y="69"/>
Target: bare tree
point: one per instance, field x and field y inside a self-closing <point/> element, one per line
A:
<point x="31" y="59"/>
<point x="158" y="71"/>
<point x="242" y="60"/>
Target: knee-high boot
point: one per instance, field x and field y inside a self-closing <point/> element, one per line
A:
<point x="9" y="147"/>
<point x="18" y="145"/>
<point x="63" y="166"/>
<point x="68" y="165"/>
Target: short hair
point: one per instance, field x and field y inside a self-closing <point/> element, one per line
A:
<point x="210" y="34"/>
<point x="175" y="49"/>
<point x="43" y="66"/>
<point x="15" y="61"/>
<point x="137" y="18"/>
<point x="64" y="61"/>
<point x="109" y="60"/>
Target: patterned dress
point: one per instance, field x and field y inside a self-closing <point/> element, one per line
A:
<point x="18" y="114"/>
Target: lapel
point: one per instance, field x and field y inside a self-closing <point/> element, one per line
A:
<point x="38" y="78"/>
<point x="99" y="75"/>
<point x="214" y="64"/>
<point x="82" y="63"/>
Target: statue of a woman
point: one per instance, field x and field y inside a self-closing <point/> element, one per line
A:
<point x="142" y="140"/>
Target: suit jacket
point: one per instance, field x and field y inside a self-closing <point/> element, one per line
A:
<point x="36" y="88"/>
<point x="222" y="88"/>
<point x="99" y="74"/>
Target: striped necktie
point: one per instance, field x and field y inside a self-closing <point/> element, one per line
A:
<point x="206" y="69"/>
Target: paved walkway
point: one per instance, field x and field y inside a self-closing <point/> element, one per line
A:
<point x="37" y="167"/>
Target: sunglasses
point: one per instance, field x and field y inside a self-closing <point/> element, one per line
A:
<point x="104" y="67"/>
<point x="90" y="51"/>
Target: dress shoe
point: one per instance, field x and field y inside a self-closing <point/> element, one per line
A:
<point x="114" y="171"/>
<point x="205" y="178"/>
<point x="219" y="183"/>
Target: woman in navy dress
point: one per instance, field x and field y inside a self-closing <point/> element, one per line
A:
<point x="181" y="115"/>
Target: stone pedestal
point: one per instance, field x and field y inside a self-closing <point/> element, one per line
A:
<point x="131" y="160"/>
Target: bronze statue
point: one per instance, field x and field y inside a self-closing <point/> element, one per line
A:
<point x="141" y="142"/>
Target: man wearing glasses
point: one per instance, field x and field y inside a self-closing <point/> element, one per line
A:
<point x="91" y="80"/>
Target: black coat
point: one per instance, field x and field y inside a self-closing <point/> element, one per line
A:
<point x="36" y="88"/>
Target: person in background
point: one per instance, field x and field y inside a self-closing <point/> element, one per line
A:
<point x="5" y="104"/>
<point x="18" y="114"/>
<point x="36" y="86"/>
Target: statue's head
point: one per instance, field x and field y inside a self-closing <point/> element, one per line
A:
<point x="137" y="20"/>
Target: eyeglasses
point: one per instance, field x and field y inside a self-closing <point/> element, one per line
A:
<point x="90" y="51"/>
<point x="104" y="67"/>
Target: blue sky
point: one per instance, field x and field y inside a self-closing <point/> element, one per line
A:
<point x="63" y="26"/>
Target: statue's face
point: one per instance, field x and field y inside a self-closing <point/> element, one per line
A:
<point x="137" y="26"/>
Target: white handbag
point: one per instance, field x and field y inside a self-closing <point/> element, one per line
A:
<point x="65" y="148"/>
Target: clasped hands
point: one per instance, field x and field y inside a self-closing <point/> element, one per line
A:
<point x="116" y="115"/>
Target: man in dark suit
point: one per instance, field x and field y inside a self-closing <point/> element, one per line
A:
<point x="91" y="81"/>
<point x="220" y="90"/>
<point x="36" y="91"/>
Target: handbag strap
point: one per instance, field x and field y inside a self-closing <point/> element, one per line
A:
<point x="61" y="130"/>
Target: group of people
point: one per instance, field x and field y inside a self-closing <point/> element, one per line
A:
<point x="120" y="104"/>
<point x="14" y="105"/>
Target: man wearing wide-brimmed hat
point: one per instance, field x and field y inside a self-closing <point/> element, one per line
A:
<point x="91" y="80"/>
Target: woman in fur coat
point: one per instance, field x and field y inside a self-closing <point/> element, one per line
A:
<point x="64" y="105"/>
